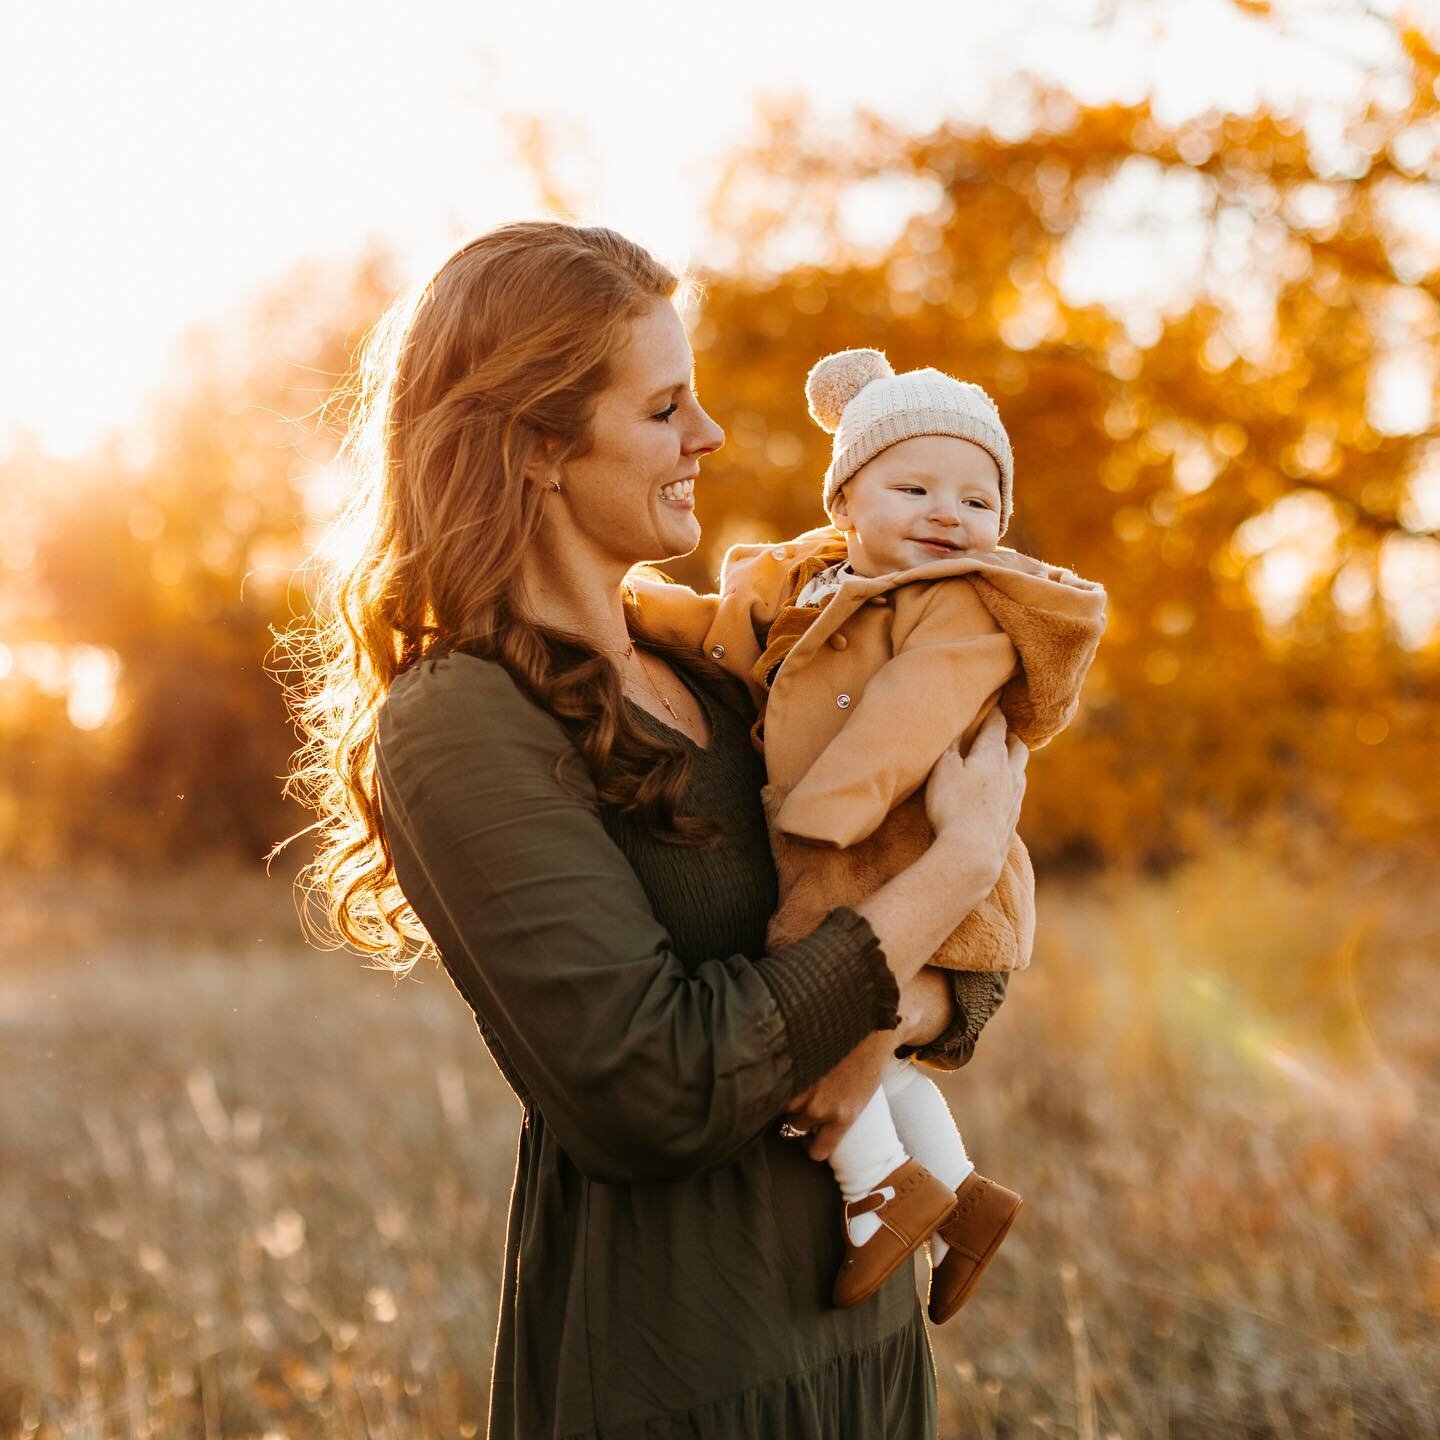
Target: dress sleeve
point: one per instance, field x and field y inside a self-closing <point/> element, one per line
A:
<point x="978" y="995"/>
<point x="644" y="1068"/>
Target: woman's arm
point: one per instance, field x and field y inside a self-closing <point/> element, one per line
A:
<point x="643" y="1069"/>
<point x="913" y="913"/>
<point x="973" y="804"/>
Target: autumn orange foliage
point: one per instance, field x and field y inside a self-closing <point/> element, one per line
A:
<point x="1171" y="471"/>
<point x="1271" y="668"/>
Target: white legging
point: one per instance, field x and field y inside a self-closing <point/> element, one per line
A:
<point x="906" y="1118"/>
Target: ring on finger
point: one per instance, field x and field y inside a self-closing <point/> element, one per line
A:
<point x="792" y="1132"/>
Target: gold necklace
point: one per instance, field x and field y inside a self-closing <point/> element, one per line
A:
<point x="628" y="653"/>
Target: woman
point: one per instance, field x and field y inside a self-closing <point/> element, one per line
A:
<point x="504" y="766"/>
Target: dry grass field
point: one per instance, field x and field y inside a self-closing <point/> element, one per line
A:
<point x="251" y="1190"/>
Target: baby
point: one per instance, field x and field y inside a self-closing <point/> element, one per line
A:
<point x="871" y="646"/>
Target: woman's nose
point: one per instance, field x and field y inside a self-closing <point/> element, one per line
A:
<point x="706" y="436"/>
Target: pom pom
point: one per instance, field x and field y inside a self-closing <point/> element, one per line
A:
<point x="838" y="379"/>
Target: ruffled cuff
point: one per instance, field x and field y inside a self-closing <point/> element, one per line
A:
<point x="832" y="989"/>
<point x="978" y="995"/>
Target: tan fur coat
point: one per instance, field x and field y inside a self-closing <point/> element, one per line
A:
<point x="893" y="669"/>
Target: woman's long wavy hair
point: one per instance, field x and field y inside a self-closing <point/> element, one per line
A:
<point x="508" y="345"/>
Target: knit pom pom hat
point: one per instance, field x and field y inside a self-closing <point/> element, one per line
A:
<point x="856" y="396"/>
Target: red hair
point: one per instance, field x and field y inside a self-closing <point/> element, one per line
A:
<point x="508" y="345"/>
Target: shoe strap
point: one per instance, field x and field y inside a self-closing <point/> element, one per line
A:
<point x="868" y="1203"/>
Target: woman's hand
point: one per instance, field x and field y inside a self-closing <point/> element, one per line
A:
<point x="977" y="797"/>
<point x="829" y="1107"/>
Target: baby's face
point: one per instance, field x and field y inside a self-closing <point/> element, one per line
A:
<point x="922" y="500"/>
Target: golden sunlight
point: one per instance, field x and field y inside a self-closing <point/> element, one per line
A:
<point x="258" y="1172"/>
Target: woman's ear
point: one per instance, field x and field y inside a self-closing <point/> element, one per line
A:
<point x="541" y="467"/>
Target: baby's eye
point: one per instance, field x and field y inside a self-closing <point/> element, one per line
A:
<point x="667" y="412"/>
<point x="976" y="501"/>
<point x="913" y="489"/>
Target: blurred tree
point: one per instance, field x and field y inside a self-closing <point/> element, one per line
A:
<point x="1230" y="463"/>
<point x="176" y="555"/>
<point x="1221" y="468"/>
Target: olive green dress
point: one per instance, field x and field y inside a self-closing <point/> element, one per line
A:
<point x="669" y="1257"/>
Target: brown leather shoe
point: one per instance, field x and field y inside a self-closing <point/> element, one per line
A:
<point x="984" y="1213"/>
<point x="909" y="1203"/>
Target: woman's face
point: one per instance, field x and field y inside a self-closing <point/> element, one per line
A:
<point x="631" y="498"/>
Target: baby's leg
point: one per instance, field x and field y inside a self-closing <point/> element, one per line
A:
<point x="926" y="1128"/>
<point x="866" y="1153"/>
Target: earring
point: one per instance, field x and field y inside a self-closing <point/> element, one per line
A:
<point x="554" y="485"/>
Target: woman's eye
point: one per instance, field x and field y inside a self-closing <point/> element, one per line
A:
<point x="667" y="412"/>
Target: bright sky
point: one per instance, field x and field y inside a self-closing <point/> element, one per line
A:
<point x="163" y="160"/>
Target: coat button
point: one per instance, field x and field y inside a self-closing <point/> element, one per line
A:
<point x="778" y="553"/>
<point x="718" y="651"/>
<point x="838" y="641"/>
<point x="842" y="701"/>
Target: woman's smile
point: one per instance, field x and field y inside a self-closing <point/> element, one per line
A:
<point x="680" y="493"/>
